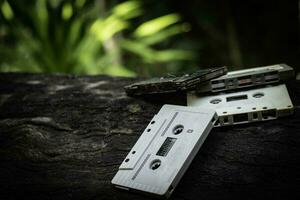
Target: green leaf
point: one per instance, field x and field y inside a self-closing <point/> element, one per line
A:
<point x="165" y="34"/>
<point x="6" y="10"/>
<point x="173" y="55"/>
<point x="41" y="21"/>
<point x="128" y="9"/>
<point x="104" y="29"/>
<point x="150" y="55"/>
<point x="79" y="3"/>
<point x="138" y="48"/>
<point x="153" y="26"/>
<point x="67" y="11"/>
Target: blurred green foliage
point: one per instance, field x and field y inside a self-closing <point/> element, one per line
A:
<point x="88" y="37"/>
<point x="146" y="38"/>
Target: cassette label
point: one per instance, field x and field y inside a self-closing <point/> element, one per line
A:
<point x="246" y="106"/>
<point x="165" y="149"/>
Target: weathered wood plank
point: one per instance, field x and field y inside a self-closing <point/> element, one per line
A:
<point x="63" y="137"/>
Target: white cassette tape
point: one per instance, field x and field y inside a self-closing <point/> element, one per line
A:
<point x="246" y="78"/>
<point x="246" y="106"/>
<point x="165" y="149"/>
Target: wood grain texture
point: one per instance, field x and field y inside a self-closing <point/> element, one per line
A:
<point x="63" y="137"/>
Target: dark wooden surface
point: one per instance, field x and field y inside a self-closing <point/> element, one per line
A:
<point x="63" y="137"/>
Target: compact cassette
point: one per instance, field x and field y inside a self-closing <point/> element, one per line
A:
<point x="173" y="83"/>
<point x="165" y="149"/>
<point x="246" y="106"/>
<point x="248" y="78"/>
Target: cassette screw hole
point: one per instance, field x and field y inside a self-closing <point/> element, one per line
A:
<point x="215" y="101"/>
<point x="152" y="122"/>
<point x="177" y="129"/>
<point x="265" y="107"/>
<point x="224" y="112"/>
<point x="148" y="130"/>
<point x="127" y="159"/>
<point x="289" y="106"/>
<point x="253" y="108"/>
<point x="155" y="164"/>
<point x="133" y="152"/>
<point x="258" y="95"/>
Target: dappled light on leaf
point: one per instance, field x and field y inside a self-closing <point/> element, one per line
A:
<point x="6" y="10"/>
<point x="128" y="9"/>
<point x="155" y="25"/>
<point x="164" y="34"/>
<point x="105" y="29"/>
<point x="67" y="11"/>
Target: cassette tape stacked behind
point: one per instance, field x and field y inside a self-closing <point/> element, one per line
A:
<point x="244" y="96"/>
<point x="246" y="78"/>
<point x="173" y="83"/>
<point x="246" y="106"/>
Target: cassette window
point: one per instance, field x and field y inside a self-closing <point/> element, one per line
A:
<point x="166" y="146"/>
<point x="236" y="98"/>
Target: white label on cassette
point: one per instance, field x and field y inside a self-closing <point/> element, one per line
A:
<point x="246" y="106"/>
<point x="165" y="149"/>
